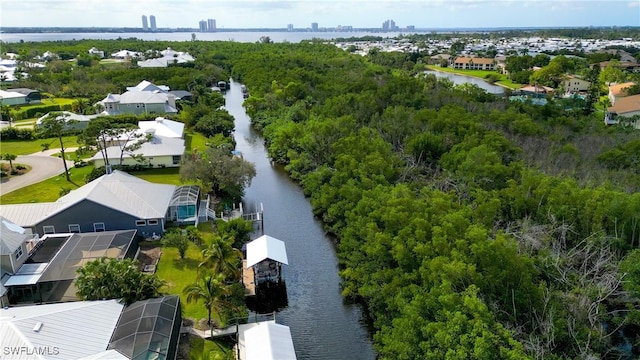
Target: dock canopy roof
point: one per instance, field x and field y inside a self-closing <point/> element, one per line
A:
<point x="269" y="341"/>
<point x="266" y="247"/>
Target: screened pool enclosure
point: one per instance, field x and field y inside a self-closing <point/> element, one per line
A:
<point x="183" y="207"/>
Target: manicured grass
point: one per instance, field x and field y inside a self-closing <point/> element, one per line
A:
<point x="178" y="273"/>
<point x="47" y="190"/>
<point x="46" y="102"/>
<point x="481" y="74"/>
<point x="194" y="140"/>
<point x="209" y="349"/>
<point x="160" y="176"/>
<point x="25" y="147"/>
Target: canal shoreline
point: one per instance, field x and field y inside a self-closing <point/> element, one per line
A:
<point x="433" y="68"/>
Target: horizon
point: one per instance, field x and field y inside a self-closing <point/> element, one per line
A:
<point x="275" y="14"/>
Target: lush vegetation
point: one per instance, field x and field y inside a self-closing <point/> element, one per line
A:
<point x="468" y="226"/>
<point x="96" y="279"/>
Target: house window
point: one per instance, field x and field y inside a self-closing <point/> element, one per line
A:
<point x="176" y="159"/>
<point x="18" y="253"/>
<point x="49" y="229"/>
<point x="152" y="222"/>
<point x="141" y="223"/>
<point x="98" y="227"/>
<point x="74" y="228"/>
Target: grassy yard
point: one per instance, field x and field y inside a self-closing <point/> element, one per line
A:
<point x="178" y="273"/>
<point x="502" y="79"/>
<point x="47" y="190"/>
<point x="194" y="140"/>
<point x="25" y="147"/>
<point x="50" y="101"/>
<point x="160" y="176"/>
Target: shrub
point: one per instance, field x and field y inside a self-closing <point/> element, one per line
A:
<point x="20" y="167"/>
<point x="12" y="133"/>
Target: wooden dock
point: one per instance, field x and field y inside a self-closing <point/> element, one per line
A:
<point x="247" y="280"/>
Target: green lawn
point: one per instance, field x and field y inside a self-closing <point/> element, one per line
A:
<point x="46" y="102"/>
<point x="194" y="140"/>
<point x="160" y="176"/>
<point x="209" y="349"/>
<point x="25" y="147"/>
<point x="178" y="273"/>
<point x="502" y="79"/>
<point x="47" y="190"/>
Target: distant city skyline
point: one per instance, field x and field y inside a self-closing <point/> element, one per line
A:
<point x="326" y="13"/>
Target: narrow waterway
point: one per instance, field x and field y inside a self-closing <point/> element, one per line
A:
<point x="461" y="79"/>
<point x="322" y="326"/>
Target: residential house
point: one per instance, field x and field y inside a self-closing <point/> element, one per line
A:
<point x="19" y="96"/>
<point x="72" y="121"/>
<point x="618" y="91"/>
<point x="630" y="66"/>
<point x="167" y="57"/>
<point x="536" y="90"/>
<point x="103" y="329"/>
<point x="145" y="97"/>
<point x="439" y="58"/>
<point x="574" y="84"/>
<point x="163" y="127"/>
<point x="49" y="273"/>
<point x="625" y="110"/>
<point x="117" y="201"/>
<point x="126" y="55"/>
<point x="157" y="151"/>
<point x="473" y="63"/>
<point x="15" y="247"/>
<point x="95" y="52"/>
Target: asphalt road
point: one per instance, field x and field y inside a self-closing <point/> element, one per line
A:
<point x="43" y="166"/>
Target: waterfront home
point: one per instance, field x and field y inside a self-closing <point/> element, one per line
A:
<point x="167" y="57"/>
<point x="619" y="91"/>
<point x="50" y="271"/>
<point x="15" y="246"/>
<point x="103" y="329"/>
<point x="162" y="127"/>
<point x="126" y="55"/>
<point x="146" y="97"/>
<point x="473" y="63"/>
<point x="117" y="201"/>
<point x="440" y="58"/>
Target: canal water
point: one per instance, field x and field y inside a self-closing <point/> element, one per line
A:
<point x="461" y="79"/>
<point x="322" y="325"/>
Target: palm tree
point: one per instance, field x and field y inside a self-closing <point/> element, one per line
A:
<point x="9" y="158"/>
<point x="212" y="290"/>
<point x="222" y="258"/>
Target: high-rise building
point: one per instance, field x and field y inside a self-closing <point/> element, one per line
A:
<point x="392" y="25"/>
<point x="314" y="26"/>
<point x="152" y="19"/>
<point x="202" y="25"/>
<point x="211" y="25"/>
<point x="289" y="27"/>
<point x="145" y="25"/>
<point x="389" y="25"/>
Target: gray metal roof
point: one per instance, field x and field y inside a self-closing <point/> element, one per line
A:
<point x="126" y="193"/>
<point x="118" y="190"/>
<point x="76" y="329"/>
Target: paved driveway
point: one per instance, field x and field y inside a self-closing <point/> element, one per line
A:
<point x="43" y="166"/>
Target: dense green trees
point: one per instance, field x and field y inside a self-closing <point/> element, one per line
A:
<point x="116" y="279"/>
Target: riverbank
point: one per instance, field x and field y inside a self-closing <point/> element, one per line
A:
<point x="503" y="81"/>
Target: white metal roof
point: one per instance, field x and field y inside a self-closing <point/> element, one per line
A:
<point x="69" y="330"/>
<point x="163" y="127"/>
<point x="10" y="94"/>
<point x="269" y="341"/>
<point x="266" y="247"/>
<point x="12" y="236"/>
<point x="158" y="146"/>
<point x="69" y="116"/>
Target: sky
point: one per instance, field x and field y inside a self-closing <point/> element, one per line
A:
<point x="327" y="13"/>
